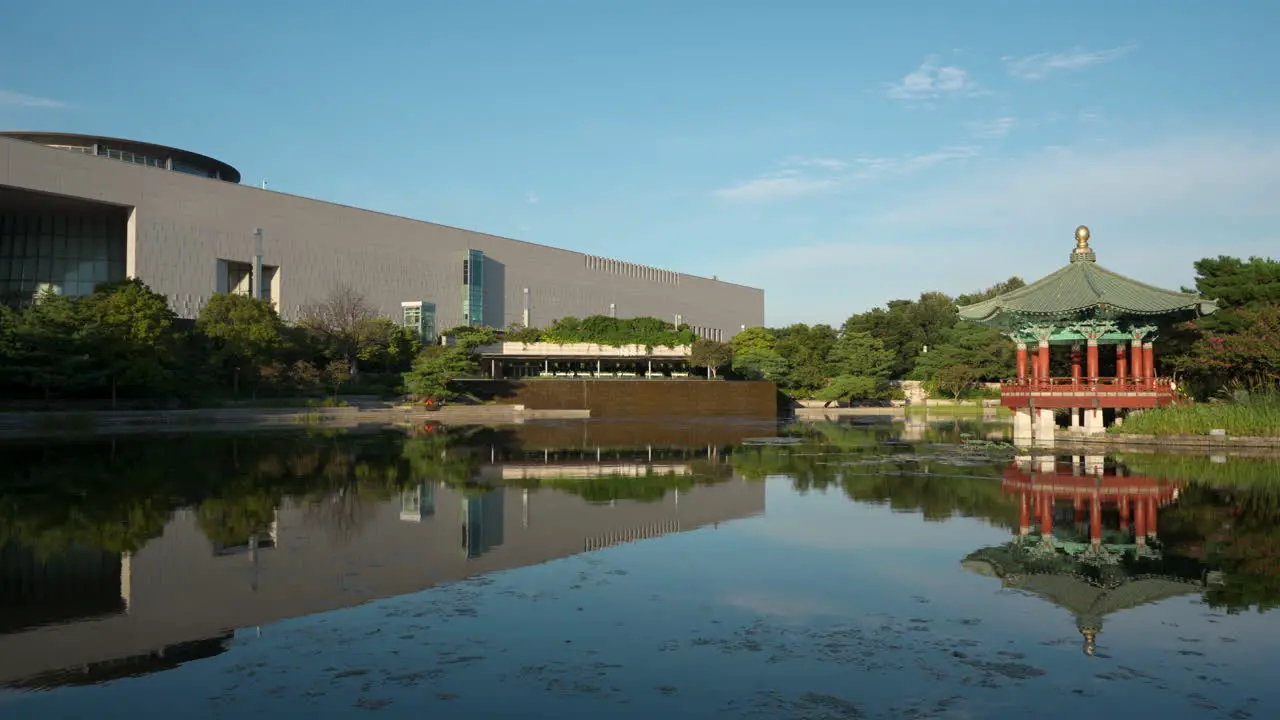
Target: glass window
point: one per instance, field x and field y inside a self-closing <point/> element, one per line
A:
<point x="68" y="252"/>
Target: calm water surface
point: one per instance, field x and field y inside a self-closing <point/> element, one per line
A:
<point x="594" y="569"/>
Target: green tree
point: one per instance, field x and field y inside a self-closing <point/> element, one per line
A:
<point x="984" y="350"/>
<point x="130" y="329"/>
<point x="807" y="351"/>
<point x="861" y="354"/>
<point x="753" y="340"/>
<point x="762" y="365"/>
<point x="46" y="348"/>
<point x="711" y="355"/>
<point x="955" y="380"/>
<point x="387" y="346"/>
<point x="304" y="377"/>
<point x="435" y="367"/>
<point x="850" y="387"/>
<point x="336" y="373"/>
<point x="247" y="334"/>
<point x="1236" y="343"/>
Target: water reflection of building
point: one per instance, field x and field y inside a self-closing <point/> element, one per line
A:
<point x="329" y="554"/>
<point x="1087" y="540"/>
<point x="482" y="519"/>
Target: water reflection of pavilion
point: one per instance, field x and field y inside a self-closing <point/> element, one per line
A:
<point x="1087" y="540"/>
<point x="108" y="615"/>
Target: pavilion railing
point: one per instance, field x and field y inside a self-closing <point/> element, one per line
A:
<point x="1088" y="385"/>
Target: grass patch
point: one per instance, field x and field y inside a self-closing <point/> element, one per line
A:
<point x="1253" y="415"/>
<point x="954" y="410"/>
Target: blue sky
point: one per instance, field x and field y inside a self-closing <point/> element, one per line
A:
<point x="837" y="154"/>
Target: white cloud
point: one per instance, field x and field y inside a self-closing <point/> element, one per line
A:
<point x="14" y="99"/>
<point x="932" y="81"/>
<point x="801" y="177"/>
<point x="992" y="129"/>
<point x="776" y="186"/>
<point x="1034" y="67"/>
<point x="827" y="163"/>
<point x="531" y="197"/>
<point x="1154" y="210"/>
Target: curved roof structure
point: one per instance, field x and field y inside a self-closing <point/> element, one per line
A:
<point x="1084" y="288"/>
<point x="1061" y="579"/>
<point x="102" y="145"/>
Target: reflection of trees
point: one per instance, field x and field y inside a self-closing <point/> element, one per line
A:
<point x="231" y="522"/>
<point x="117" y="495"/>
<point x="1234" y="532"/>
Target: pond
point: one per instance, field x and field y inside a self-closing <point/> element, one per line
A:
<point x="688" y="568"/>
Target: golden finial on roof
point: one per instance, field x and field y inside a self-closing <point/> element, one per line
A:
<point x="1082" y="237"/>
<point x="1083" y="252"/>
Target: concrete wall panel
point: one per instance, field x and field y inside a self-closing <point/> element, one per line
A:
<point x="185" y="224"/>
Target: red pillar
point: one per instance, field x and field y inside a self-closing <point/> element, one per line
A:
<point x="1152" y="511"/>
<point x="1078" y="505"/>
<point x="1095" y="521"/>
<point x="1046" y="515"/>
<point x="1122" y="362"/>
<point x="1024" y="514"/>
<point x="1092" y="360"/>
<point x="1075" y="363"/>
<point x="1022" y="361"/>
<point x="1124" y="512"/>
<point x="1044" y="359"/>
<point x="1140" y="522"/>
<point x="1148" y="360"/>
<point x="1135" y="359"/>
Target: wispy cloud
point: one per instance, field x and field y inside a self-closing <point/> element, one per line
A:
<point x="531" y="197"/>
<point x="1035" y="67"/>
<point x="1155" y="208"/>
<point x="776" y="186"/>
<point x="992" y="129"/>
<point x="801" y="177"/>
<point x="932" y="81"/>
<point x="8" y="98"/>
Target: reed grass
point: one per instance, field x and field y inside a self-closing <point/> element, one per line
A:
<point x="1255" y="414"/>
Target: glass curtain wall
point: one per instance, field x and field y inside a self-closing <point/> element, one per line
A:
<point x="68" y="252"/>
<point x="473" y="288"/>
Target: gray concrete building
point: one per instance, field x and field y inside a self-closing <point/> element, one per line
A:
<point x="76" y="210"/>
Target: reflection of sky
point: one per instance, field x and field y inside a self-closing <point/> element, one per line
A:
<point x="820" y="603"/>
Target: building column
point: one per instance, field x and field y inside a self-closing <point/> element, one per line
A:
<point x="1148" y="360"/>
<point x="1075" y="418"/>
<point x="1075" y="364"/>
<point x="1124" y="513"/>
<point x="1045" y="425"/>
<point x="1044" y="359"/>
<point x="1092" y="360"/>
<point x="1136" y="364"/>
<point x="1022" y="425"/>
<point x="1153" y="509"/>
<point x="1122" y="362"/>
<point x="1093" y="421"/>
<point x="1022" y="361"/>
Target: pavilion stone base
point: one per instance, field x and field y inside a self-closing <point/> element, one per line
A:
<point x="1038" y="426"/>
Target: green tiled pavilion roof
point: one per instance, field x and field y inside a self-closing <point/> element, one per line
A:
<point x="1085" y="285"/>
